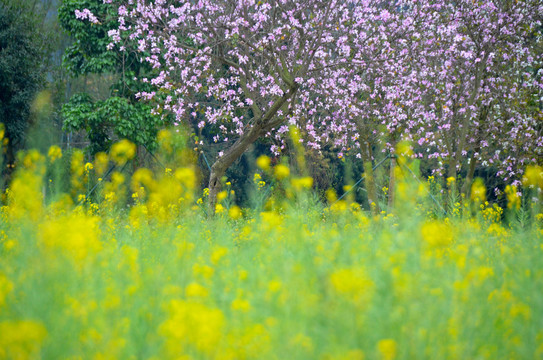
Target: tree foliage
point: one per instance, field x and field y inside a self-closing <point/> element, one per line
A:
<point x="455" y="78"/>
<point x="120" y="114"/>
<point x="23" y="49"/>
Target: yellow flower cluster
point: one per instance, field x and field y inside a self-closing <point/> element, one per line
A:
<point x="136" y="269"/>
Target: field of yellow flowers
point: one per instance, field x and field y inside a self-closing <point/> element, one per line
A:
<point x="137" y="270"/>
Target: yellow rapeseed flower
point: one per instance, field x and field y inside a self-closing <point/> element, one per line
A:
<point x="354" y="284"/>
<point x="6" y="287"/>
<point x="478" y="191"/>
<point x="21" y="339"/>
<point x="513" y="200"/>
<point x="196" y="290"/>
<point x="234" y="212"/>
<point x="388" y="349"/>
<point x="263" y="162"/>
<point x="192" y="324"/>
<point x="123" y="151"/>
<point x="222" y="195"/>
<point x="219" y="209"/>
<point x="533" y="176"/>
<point x="54" y="153"/>
<point x="241" y="305"/>
<point x="436" y="234"/>
<point x="218" y="253"/>
<point x="302" y="183"/>
<point x="281" y="172"/>
<point x="101" y="161"/>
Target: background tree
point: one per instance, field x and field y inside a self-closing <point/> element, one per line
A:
<point x="248" y="61"/>
<point x="355" y="74"/>
<point x="24" y="51"/>
<point x="118" y="113"/>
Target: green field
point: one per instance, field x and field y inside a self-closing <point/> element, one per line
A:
<point x="84" y="278"/>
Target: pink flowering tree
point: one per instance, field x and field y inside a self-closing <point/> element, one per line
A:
<point x="462" y="80"/>
<point x="472" y="88"/>
<point x="250" y="68"/>
<point x="457" y="78"/>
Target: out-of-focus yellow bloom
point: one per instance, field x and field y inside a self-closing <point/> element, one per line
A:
<point x="25" y="197"/>
<point x="436" y="234"/>
<point x="274" y="286"/>
<point x="478" y="191"/>
<point x="339" y="207"/>
<point x="142" y="176"/>
<point x="331" y="196"/>
<point x="388" y="349"/>
<point x="513" y="199"/>
<point x="54" y="153"/>
<point x="204" y="271"/>
<point x="354" y="284"/>
<point x="21" y="339"/>
<point x="33" y="160"/>
<point x="123" y="151"/>
<point x="2" y="131"/>
<point x="196" y="290"/>
<point x="6" y="287"/>
<point x="76" y="235"/>
<point x="78" y="171"/>
<point x="234" y="212"/>
<point x="222" y="195"/>
<point x="218" y="253"/>
<point x="192" y="324"/>
<point x="533" y="176"/>
<point x="187" y="177"/>
<point x="165" y="140"/>
<point x="263" y="162"/>
<point x="219" y="209"/>
<point x="270" y="219"/>
<point x="101" y="161"/>
<point x="404" y="150"/>
<point x="302" y="183"/>
<point x="281" y="172"/>
<point x="241" y="305"/>
<point x="302" y="341"/>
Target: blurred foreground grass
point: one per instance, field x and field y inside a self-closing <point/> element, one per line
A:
<point x="84" y="278"/>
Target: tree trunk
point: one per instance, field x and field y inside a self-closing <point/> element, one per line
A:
<point x="392" y="183"/>
<point x="265" y="123"/>
<point x="469" y="178"/>
<point x="369" y="178"/>
<point x="452" y="168"/>
<point x="219" y="167"/>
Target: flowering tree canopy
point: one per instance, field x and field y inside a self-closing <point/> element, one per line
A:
<point x="459" y="78"/>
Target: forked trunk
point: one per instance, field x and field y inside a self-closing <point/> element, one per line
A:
<point x="219" y="167"/>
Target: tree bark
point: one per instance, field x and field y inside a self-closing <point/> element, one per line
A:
<point x="259" y="127"/>
<point x="469" y="178"/>
<point x="452" y="168"/>
<point x="219" y="167"/>
<point x="369" y="178"/>
<point x="392" y="183"/>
